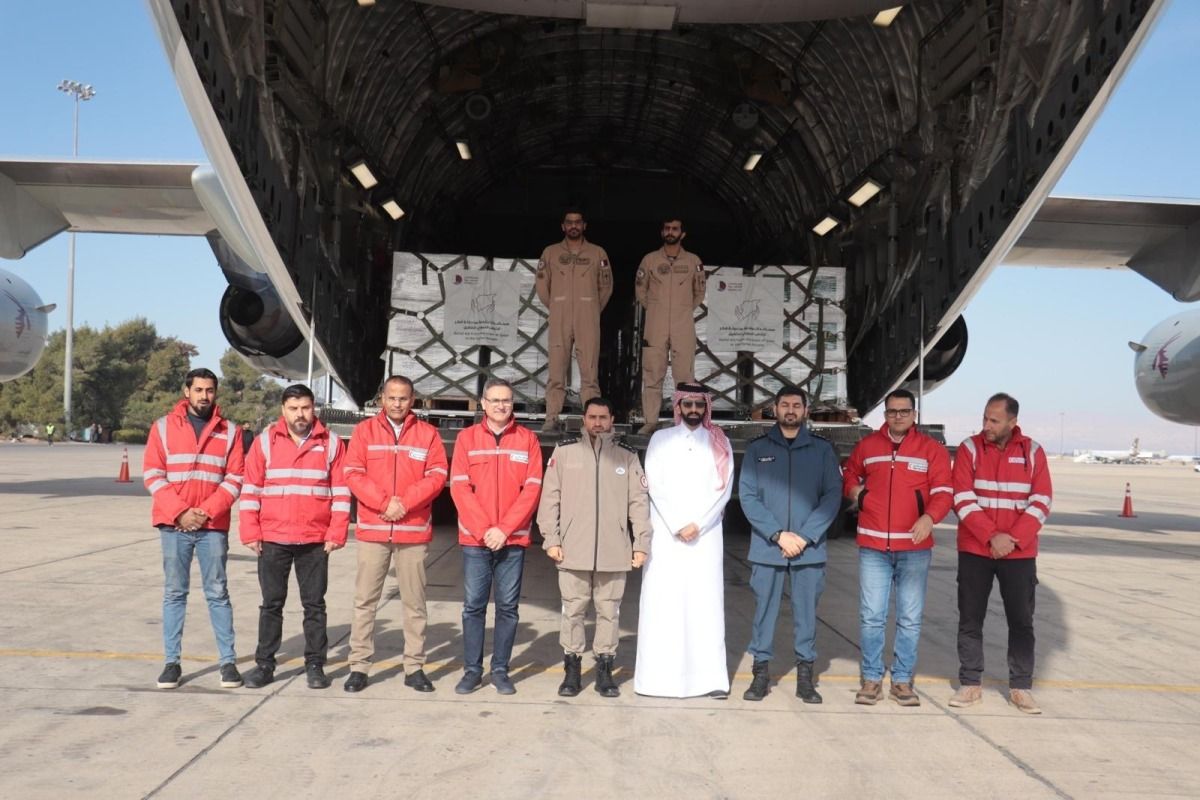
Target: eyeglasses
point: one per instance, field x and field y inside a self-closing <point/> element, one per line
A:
<point x="898" y="412"/>
<point x="501" y="401"/>
<point x="700" y="404"/>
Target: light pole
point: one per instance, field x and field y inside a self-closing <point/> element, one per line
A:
<point x="1062" y="416"/>
<point x="79" y="91"/>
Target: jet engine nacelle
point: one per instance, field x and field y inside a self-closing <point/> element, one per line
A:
<point x="1166" y="368"/>
<point x="256" y="324"/>
<point x="942" y="360"/>
<point x="24" y="321"/>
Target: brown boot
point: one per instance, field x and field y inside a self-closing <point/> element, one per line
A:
<point x="903" y="694"/>
<point x="869" y="694"/>
<point x="1023" y="700"/>
<point x="967" y="696"/>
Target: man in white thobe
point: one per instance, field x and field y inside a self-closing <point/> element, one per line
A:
<point x="681" y="627"/>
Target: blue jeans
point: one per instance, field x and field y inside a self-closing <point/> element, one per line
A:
<point x="877" y="571"/>
<point x="806" y="582"/>
<point x="210" y="549"/>
<point x="481" y="568"/>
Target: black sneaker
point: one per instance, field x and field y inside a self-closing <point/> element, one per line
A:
<point x="503" y="683"/>
<point x="316" y="677"/>
<point x="230" y="677"/>
<point x="471" y="681"/>
<point x="169" y="679"/>
<point x="258" y="677"/>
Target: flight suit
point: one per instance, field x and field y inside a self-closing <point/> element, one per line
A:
<point x="670" y="290"/>
<point x="574" y="287"/>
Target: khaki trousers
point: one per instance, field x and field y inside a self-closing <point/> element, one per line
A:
<point x="573" y="326"/>
<point x="373" y="561"/>
<point x="580" y="589"/>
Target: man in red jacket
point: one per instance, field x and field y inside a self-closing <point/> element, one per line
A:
<point x="1002" y="496"/>
<point x="295" y="510"/>
<point x="495" y="481"/>
<point x="193" y="469"/>
<point x="900" y="479"/>
<point x="396" y="467"/>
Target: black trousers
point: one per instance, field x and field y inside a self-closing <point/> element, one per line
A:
<point x="312" y="574"/>
<point x="1018" y="582"/>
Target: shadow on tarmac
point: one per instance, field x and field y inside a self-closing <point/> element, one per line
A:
<point x="77" y="487"/>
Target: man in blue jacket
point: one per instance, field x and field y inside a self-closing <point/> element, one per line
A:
<point x="790" y="491"/>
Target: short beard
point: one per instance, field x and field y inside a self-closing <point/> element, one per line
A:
<point x="693" y="420"/>
<point x="201" y="413"/>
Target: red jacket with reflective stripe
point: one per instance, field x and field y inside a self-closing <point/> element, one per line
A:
<point x="294" y="494"/>
<point x="1001" y="491"/>
<point x="380" y="465"/>
<point x="184" y="472"/>
<point x="495" y="482"/>
<point x="901" y="485"/>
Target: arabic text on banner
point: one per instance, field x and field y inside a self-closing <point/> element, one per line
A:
<point x="482" y="308"/>
<point x="745" y="313"/>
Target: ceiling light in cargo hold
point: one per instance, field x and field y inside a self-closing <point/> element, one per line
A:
<point x="366" y="2"/>
<point x="865" y="191"/>
<point x="752" y="161"/>
<point x="464" y="149"/>
<point x="393" y="209"/>
<point x="362" y="172"/>
<point x="624" y="15"/>
<point x="827" y="224"/>
<point x="887" y="16"/>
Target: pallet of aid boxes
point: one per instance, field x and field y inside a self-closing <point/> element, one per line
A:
<point x="812" y="351"/>
<point x="424" y="339"/>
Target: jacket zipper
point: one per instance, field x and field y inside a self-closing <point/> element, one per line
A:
<point x="891" y="476"/>
<point x="789" y="489"/>
<point x="395" y="458"/>
<point x="596" y="538"/>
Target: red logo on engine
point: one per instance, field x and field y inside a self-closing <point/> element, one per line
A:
<point x="1162" y="363"/>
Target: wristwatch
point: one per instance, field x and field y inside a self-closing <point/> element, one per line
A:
<point x="775" y="537"/>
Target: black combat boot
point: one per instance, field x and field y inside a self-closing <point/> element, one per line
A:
<point x="760" y="685"/>
<point x="605" y="685"/>
<point x="571" y="680"/>
<point x="804" y="683"/>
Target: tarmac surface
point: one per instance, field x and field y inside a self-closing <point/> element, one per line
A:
<point x="80" y="647"/>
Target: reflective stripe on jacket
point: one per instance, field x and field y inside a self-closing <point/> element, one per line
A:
<point x="900" y="485"/>
<point x="495" y="481"/>
<point x="182" y="471"/>
<point x="294" y="494"/>
<point x="381" y="465"/>
<point x="1001" y="491"/>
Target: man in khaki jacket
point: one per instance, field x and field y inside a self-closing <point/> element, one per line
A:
<point x="574" y="282"/>
<point x="591" y="486"/>
<point x="670" y="286"/>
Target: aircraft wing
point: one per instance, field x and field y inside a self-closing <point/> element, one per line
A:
<point x="1157" y="238"/>
<point x="40" y="198"/>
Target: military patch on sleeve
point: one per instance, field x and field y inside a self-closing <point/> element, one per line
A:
<point x="641" y="274"/>
<point x="604" y="263"/>
<point x="699" y="268"/>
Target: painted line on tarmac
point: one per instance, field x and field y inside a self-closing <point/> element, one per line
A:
<point x="535" y="669"/>
<point x="80" y="555"/>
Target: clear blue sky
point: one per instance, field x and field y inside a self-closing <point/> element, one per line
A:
<point x="1054" y="338"/>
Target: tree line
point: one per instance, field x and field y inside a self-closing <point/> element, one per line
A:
<point x="127" y="376"/>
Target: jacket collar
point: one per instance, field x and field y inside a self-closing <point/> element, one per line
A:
<point x="181" y="411"/>
<point x="803" y="438"/>
<point x="387" y="423"/>
<point x="319" y="431"/>
<point x="1017" y="439"/>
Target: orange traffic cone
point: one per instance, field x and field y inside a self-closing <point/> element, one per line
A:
<point x="1127" y="509"/>
<point x="123" y="474"/>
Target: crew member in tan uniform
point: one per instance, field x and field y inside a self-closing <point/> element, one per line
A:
<point x="574" y="282"/>
<point x="592" y="485"/>
<point x="670" y="286"/>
